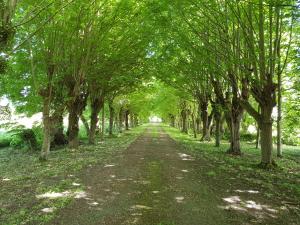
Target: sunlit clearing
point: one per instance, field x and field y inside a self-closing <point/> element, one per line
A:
<point x="155" y="119"/>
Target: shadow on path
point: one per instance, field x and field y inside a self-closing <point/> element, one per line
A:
<point x="151" y="183"/>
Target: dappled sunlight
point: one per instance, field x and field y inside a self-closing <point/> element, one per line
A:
<point x="186" y="157"/>
<point x="155" y="192"/>
<point x="109" y="165"/>
<point x="76" y="184"/>
<point x="53" y="195"/>
<point x="141" y="207"/>
<point x="122" y="179"/>
<point x="93" y="203"/>
<point x="65" y="194"/>
<point x="48" y="210"/>
<point x="247" y="191"/>
<point x="80" y="194"/>
<point x="136" y="214"/>
<point x="6" y="179"/>
<point x="179" y="199"/>
<point x="249" y="206"/>
<point x="185" y="171"/>
<point x="144" y="182"/>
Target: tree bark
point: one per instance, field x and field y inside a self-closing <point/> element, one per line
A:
<point x="127" y="112"/>
<point x="85" y="124"/>
<point x="257" y="137"/>
<point x="279" y="116"/>
<point x="172" y="120"/>
<point x="136" y="120"/>
<point x="96" y="106"/>
<point x="266" y="143"/>
<point x="266" y="135"/>
<point x="46" y="129"/>
<point x="194" y="125"/>
<point x="121" y="117"/>
<point x="59" y="137"/>
<point x="102" y="124"/>
<point x="73" y="128"/>
<point x="205" y="121"/>
<point x="217" y="116"/>
<point x="47" y="97"/>
<point x="184" y="128"/>
<point x="235" y="147"/>
<point x="111" y="118"/>
<point x="234" y="126"/>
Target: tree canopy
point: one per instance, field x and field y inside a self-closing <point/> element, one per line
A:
<point x="205" y="64"/>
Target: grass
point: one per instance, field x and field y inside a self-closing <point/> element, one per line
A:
<point x="281" y="183"/>
<point x="23" y="177"/>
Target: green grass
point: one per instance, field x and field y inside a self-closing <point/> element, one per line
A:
<point x="282" y="181"/>
<point x="23" y="177"/>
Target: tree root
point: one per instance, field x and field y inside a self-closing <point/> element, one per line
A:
<point x="268" y="166"/>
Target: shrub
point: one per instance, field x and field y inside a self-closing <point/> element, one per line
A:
<point x="24" y="139"/>
<point x="5" y="140"/>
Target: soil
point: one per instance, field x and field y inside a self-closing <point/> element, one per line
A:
<point x="157" y="182"/>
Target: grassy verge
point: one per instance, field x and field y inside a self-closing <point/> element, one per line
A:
<point x="23" y="177"/>
<point x="281" y="184"/>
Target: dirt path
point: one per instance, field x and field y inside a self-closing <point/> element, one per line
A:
<point x="153" y="182"/>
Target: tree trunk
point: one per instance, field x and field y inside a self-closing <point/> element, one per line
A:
<point x="235" y="147"/>
<point x="194" y="126"/>
<point x="73" y="128"/>
<point x="59" y="137"/>
<point x="257" y="137"/>
<point x="111" y="118"/>
<point x="184" y="121"/>
<point x="205" y="124"/>
<point x="266" y="144"/>
<point x="198" y="125"/>
<point x="46" y="129"/>
<point x="127" y="119"/>
<point x="266" y="135"/>
<point x="96" y="106"/>
<point x="218" y="129"/>
<point x="172" y="120"/>
<point x="136" y="120"/>
<point x="121" y="117"/>
<point x="279" y="117"/>
<point x="102" y="124"/>
<point x="233" y="123"/>
<point x="85" y="124"/>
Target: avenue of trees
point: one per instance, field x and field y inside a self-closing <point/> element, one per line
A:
<point x="201" y="65"/>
